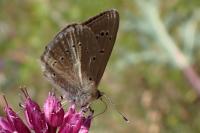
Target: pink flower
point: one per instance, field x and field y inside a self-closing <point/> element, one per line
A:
<point x="53" y="111"/>
<point x="49" y="120"/>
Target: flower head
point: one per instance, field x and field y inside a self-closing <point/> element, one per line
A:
<point x="51" y="119"/>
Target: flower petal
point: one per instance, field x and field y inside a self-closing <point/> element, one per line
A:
<point x="35" y="117"/>
<point x="85" y="127"/>
<point x="53" y="111"/>
<point x="15" y="121"/>
<point x="5" y="126"/>
<point x="75" y="122"/>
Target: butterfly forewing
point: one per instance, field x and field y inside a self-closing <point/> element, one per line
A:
<point x="105" y="27"/>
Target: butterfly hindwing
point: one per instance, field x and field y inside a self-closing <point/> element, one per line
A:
<point x="66" y="60"/>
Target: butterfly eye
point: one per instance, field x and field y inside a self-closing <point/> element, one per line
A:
<point x="90" y="78"/>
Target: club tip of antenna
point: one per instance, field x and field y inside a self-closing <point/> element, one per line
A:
<point x="113" y="105"/>
<point x="126" y="119"/>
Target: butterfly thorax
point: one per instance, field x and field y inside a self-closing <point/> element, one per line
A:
<point x="83" y="96"/>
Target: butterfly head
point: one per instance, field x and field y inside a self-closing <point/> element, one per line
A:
<point x="99" y="94"/>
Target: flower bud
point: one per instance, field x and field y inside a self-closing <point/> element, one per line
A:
<point x="15" y="121"/>
<point x="53" y="111"/>
<point x="86" y="125"/>
<point x="35" y="117"/>
<point x="5" y="126"/>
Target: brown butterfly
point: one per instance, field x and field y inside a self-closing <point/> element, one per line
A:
<point x="76" y="58"/>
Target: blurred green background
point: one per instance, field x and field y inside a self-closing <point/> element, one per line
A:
<point x="144" y="77"/>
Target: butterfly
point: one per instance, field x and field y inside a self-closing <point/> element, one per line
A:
<point x="75" y="60"/>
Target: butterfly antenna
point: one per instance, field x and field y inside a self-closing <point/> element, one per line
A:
<point x="114" y="107"/>
<point x="104" y="108"/>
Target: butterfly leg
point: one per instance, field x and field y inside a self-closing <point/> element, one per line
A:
<point x="91" y="110"/>
<point x="87" y="108"/>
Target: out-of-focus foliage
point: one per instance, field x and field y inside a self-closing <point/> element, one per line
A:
<point x="142" y="80"/>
